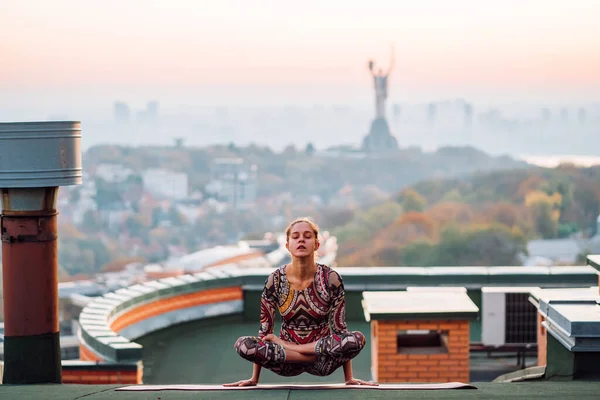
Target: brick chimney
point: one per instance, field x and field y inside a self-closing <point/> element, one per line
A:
<point x="420" y="335"/>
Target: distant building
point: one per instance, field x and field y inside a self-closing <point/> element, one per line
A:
<point x="582" y="115"/>
<point x="152" y="110"/>
<point x="112" y="173"/>
<point x="546" y="114"/>
<point x="234" y="182"/>
<point x="150" y="114"/>
<point x="122" y="113"/>
<point x="166" y="184"/>
<point x="553" y="251"/>
<point x="468" y="116"/>
<point x="431" y="113"/>
<point x="562" y="251"/>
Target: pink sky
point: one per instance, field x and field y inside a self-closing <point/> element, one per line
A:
<point x="520" y="44"/>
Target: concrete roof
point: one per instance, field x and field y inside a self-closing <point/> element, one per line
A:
<point x="418" y="305"/>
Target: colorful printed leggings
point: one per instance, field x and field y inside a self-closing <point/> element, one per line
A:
<point x="332" y="352"/>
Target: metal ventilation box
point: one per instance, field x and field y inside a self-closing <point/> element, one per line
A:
<point x="507" y="316"/>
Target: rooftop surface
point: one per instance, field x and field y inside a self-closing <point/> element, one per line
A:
<point x="521" y="390"/>
<point x="416" y="304"/>
<point x="201" y="352"/>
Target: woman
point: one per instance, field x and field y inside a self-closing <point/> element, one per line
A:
<point x="311" y="301"/>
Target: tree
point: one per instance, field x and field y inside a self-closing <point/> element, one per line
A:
<point x="447" y="213"/>
<point x="504" y="213"/>
<point x="91" y="222"/>
<point x="175" y="217"/>
<point x="417" y="253"/>
<point x="407" y="228"/>
<point x="411" y="200"/>
<point x="545" y="221"/>
<point x="546" y="212"/>
<point x="137" y="225"/>
<point x="365" y="225"/>
<point x="491" y="245"/>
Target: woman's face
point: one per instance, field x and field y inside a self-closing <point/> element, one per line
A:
<point x="302" y="241"/>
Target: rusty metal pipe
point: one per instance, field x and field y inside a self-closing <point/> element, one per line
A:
<point x="35" y="159"/>
<point x="29" y="235"/>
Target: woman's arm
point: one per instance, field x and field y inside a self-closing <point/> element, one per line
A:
<point x="255" y="373"/>
<point x="337" y="316"/>
<point x="268" y="304"/>
<point x="350" y="380"/>
<point x="348" y="370"/>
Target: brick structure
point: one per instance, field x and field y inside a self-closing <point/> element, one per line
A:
<point x="419" y="336"/>
<point x="541" y="340"/>
<point x="80" y="372"/>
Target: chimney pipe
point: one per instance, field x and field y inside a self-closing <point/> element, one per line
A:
<point x="35" y="159"/>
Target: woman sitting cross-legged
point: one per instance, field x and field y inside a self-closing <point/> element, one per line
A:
<point x="311" y="300"/>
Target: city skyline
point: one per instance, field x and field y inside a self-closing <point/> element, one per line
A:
<point x="271" y="53"/>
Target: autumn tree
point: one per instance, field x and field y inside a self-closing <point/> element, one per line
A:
<point x="446" y="213"/>
<point x="487" y="245"/>
<point x="418" y="253"/>
<point x="546" y="212"/>
<point x="411" y="200"/>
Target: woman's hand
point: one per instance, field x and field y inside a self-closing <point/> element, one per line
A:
<point x="360" y="382"/>
<point x="272" y="338"/>
<point x="245" y="382"/>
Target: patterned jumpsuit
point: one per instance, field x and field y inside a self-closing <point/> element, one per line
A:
<point x="315" y="314"/>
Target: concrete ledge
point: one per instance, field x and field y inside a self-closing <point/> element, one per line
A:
<point x="101" y="342"/>
<point x="170" y="318"/>
<point x="527" y="374"/>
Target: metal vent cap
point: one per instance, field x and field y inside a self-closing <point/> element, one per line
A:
<point x="40" y="154"/>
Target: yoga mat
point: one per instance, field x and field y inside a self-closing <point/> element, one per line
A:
<point x="402" y="386"/>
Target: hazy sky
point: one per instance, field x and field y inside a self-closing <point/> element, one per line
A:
<point x="299" y="50"/>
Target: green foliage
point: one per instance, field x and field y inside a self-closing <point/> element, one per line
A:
<point x="488" y="245"/>
<point x="566" y="230"/>
<point x="418" y="253"/>
<point x="545" y="223"/>
<point x="411" y="200"/>
<point x="452" y="196"/>
<point x="137" y="226"/>
<point x="365" y="225"/>
<point x="107" y="194"/>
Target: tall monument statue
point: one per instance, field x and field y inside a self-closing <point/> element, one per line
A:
<point x="379" y="138"/>
<point x="380" y="82"/>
